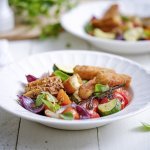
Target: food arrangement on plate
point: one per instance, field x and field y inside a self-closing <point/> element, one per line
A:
<point x="82" y="92"/>
<point x="114" y="25"/>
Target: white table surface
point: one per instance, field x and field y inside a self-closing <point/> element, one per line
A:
<point x="17" y="133"/>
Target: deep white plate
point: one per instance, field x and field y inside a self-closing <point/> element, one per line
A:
<point x="12" y="77"/>
<point x="75" y="20"/>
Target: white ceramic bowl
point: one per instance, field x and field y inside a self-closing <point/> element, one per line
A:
<point x="75" y="20"/>
<point x="11" y="79"/>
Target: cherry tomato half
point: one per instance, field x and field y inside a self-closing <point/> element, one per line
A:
<point x="123" y="96"/>
<point x="104" y="100"/>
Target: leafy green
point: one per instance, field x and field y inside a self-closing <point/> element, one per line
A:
<point x="67" y="116"/>
<point x="48" y="100"/>
<point x="45" y="96"/>
<point x="61" y="74"/>
<point x="101" y="88"/>
<point x="39" y="98"/>
<point x="31" y="12"/>
<point x="146" y="125"/>
<point x="125" y="18"/>
<point x="89" y="28"/>
<point x="51" y="106"/>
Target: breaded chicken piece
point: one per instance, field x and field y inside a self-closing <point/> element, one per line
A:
<point x="89" y="72"/>
<point x="86" y="90"/>
<point x="109" y="21"/>
<point x="112" y="11"/>
<point x="108" y="24"/>
<point x="113" y="79"/>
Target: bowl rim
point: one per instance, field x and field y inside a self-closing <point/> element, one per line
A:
<point x="43" y="119"/>
<point x="88" y="37"/>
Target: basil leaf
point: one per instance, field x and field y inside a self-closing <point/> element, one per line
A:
<point x="67" y="116"/>
<point x="45" y="96"/>
<point x="146" y="125"/>
<point x="61" y="74"/>
<point x="51" y="98"/>
<point x="52" y="107"/>
<point x="39" y="98"/>
<point x="101" y="88"/>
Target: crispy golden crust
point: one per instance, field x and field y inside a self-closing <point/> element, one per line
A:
<point x="89" y="72"/>
<point x="86" y="90"/>
<point x="108" y="24"/>
<point x="109" y="21"/>
<point x="72" y="84"/>
<point x="113" y="79"/>
<point x="112" y="11"/>
<point x="47" y="84"/>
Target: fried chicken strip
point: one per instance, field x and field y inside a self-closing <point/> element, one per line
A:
<point x="109" y="21"/>
<point x="89" y="72"/>
<point x="99" y="75"/>
<point x="112" y="11"/>
<point x="113" y="79"/>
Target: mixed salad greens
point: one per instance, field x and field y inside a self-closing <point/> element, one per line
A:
<point x="82" y="92"/>
<point x="114" y="25"/>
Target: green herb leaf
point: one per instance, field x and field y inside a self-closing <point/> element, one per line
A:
<point x="101" y="88"/>
<point x="61" y="74"/>
<point x="67" y="116"/>
<point x="52" y="107"/>
<point x="46" y="96"/>
<point x="89" y="28"/>
<point x="49" y="100"/>
<point x="146" y="125"/>
<point x="39" y="98"/>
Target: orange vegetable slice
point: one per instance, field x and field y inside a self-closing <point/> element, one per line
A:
<point x="63" y="98"/>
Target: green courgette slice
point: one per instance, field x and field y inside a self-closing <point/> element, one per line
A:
<point x="109" y="108"/>
<point x="66" y="69"/>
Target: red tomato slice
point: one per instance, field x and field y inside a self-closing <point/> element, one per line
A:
<point x="123" y="96"/>
<point x="104" y="100"/>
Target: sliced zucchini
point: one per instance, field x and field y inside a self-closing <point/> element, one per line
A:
<point x="62" y="75"/>
<point x="133" y="34"/>
<point x="65" y="69"/>
<point x="101" y="34"/>
<point x="109" y="108"/>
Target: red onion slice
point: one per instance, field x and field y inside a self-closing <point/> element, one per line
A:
<point x="82" y="112"/>
<point x="29" y="104"/>
<point x="31" y="78"/>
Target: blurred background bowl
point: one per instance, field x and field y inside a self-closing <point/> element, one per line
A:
<point x="75" y="20"/>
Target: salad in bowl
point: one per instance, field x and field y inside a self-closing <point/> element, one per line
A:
<point x="117" y="26"/>
<point x="82" y="92"/>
